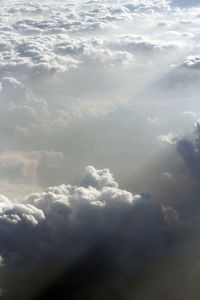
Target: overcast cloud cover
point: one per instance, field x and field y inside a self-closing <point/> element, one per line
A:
<point x="112" y="85"/>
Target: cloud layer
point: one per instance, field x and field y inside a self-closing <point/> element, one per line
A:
<point x="76" y="75"/>
<point x="114" y="84"/>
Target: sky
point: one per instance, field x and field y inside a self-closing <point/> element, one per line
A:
<point x="100" y="149"/>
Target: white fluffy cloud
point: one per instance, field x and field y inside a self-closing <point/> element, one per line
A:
<point x="40" y="39"/>
<point x="192" y="62"/>
<point x="169" y="138"/>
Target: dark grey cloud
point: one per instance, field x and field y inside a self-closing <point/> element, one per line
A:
<point x="95" y="231"/>
<point x="190" y="152"/>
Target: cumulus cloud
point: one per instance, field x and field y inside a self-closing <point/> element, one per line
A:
<point x="64" y="224"/>
<point x="43" y="47"/>
<point x="29" y="45"/>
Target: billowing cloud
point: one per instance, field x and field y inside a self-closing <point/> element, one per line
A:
<point x="65" y="223"/>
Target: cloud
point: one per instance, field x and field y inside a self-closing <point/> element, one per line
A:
<point x="190" y="153"/>
<point x="181" y="80"/>
<point x="185" y="3"/>
<point x="169" y="138"/>
<point x="142" y="44"/>
<point x="192" y="62"/>
<point x="29" y="43"/>
<point x="95" y="83"/>
<point x="64" y="224"/>
<point x="64" y="65"/>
